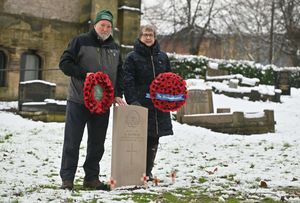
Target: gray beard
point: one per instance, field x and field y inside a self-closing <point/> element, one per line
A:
<point x="104" y="37"/>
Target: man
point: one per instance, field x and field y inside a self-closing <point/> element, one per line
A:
<point x="141" y="66"/>
<point x="88" y="53"/>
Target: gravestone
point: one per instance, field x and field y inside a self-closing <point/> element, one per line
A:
<point x="129" y="145"/>
<point x="223" y="110"/>
<point x="233" y="83"/>
<point x="35" y="91"/>
<point x="216" y="71"/>
<point x="198" y="102"/>
<point x="282" y="82"/>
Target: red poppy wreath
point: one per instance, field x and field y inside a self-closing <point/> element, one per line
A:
<point x="98" y="92"/>
<point x="168" y="92"/>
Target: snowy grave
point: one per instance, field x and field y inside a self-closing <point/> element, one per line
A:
<point x="35" y="91"/>
<point x="257" y="93"/>
<point x="198" y="101"/>
<point x="240" y="79"/>
<point x="233" y="83"/>
<point x="213" y="70"/>
<point x="36" y="101"/>
<point x="129" y="145"/>
<point x="223" y="121"/>
<point x="235" y="123"/>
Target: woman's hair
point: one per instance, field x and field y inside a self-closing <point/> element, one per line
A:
<point x="147" y="28"/>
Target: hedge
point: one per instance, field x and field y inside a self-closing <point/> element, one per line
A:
<point x="188" y="66"/>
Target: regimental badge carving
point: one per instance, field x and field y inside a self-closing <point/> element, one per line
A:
<point x="133" y="118"/>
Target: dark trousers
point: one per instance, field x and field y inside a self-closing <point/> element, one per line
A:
<point x="152" y="145"/>
<point x="77" y="116"/>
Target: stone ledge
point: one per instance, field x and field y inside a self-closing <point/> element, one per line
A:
<point x="235" y="123"/>
<point x="44" y="116"/>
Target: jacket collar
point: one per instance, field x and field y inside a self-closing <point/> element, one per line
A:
<point x="144" y="50"/>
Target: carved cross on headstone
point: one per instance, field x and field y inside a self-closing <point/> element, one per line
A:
<point x="131" y="151"/>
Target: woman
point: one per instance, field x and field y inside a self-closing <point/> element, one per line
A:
<point x="140" y="68"/>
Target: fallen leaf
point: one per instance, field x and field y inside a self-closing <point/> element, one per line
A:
<point x="263" y="184"/>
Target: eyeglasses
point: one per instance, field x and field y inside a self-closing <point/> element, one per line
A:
<point x="146" y="35"/>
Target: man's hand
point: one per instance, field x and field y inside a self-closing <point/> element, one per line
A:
<point x="120" y="101"/>
<point x="87" y="74"/>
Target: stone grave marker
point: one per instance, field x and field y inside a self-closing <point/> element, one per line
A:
<point x="129" y="145"/>
<point x="35" y="91"/>
<point x="216" y="71"/>
<point x="198" y="102"/>
<point x="233" y="83"/>
<point x="282" y="82"/>
<point x="223" y="110"/>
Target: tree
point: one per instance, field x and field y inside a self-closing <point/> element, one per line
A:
<point x="289" y="24"/>
<point x="193" y="16"/>
<point x="274" y="23"/>
<point x="262" y="31"/>
<point x="249" y="21"/>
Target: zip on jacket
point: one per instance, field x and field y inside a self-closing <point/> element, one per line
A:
<point x="153" y="69"/>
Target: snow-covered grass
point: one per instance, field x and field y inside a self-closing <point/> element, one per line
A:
<point x="208" y="163"/>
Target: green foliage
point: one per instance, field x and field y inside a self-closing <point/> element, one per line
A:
<point x="143" y="197"/>
<point x="175" y="151"/>
<point x="195" y="67"/>
<point x="232" y="200"/>
<point x="8" y="136"/>
<point x="180" y="195"/>
<point x="286" y="145"/>
<point x="265" y="76"/>
<point x="295" y="79"/>
<point x="202" y="180"/>
<point x="230" y="177"/>
<point x="189" y="68"/>
<point x="269" y="200"/>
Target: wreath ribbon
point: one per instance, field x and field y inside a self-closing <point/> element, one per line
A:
<point x="95" y="99"/>
<point x="167" y="97"/>
<point x="168" y="92"/>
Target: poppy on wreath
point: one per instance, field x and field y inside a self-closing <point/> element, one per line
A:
<point x="98" y="92"/>
<point x="168" y="92"/>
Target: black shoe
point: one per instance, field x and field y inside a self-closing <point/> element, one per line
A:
<point x="150" y="177"/>
<point x="96" y="185"/>
<point x="67" y="184"/>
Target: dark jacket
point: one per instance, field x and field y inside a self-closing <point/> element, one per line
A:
<point x="88" y="53"/>
<point x="140" y="67"/>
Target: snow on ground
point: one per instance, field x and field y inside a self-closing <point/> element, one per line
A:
<point x="233" y="164"/>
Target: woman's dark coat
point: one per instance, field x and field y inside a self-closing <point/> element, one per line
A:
<point x="141" y="66"/>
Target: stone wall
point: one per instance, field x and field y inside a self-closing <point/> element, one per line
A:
<point x="111" y="5"/>
<point x="46" y="38"/>
<point x="67" y="10"/>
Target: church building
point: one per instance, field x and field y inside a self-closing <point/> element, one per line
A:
<point x="34" y="34"/>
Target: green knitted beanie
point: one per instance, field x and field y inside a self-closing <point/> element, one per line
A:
<point x="104" y="15"/>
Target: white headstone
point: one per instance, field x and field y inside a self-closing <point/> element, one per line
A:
<point x="129" y="145"/>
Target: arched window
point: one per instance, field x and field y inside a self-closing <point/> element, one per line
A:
<point x="2" y="69"/>
<point x="30" y="67"/>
